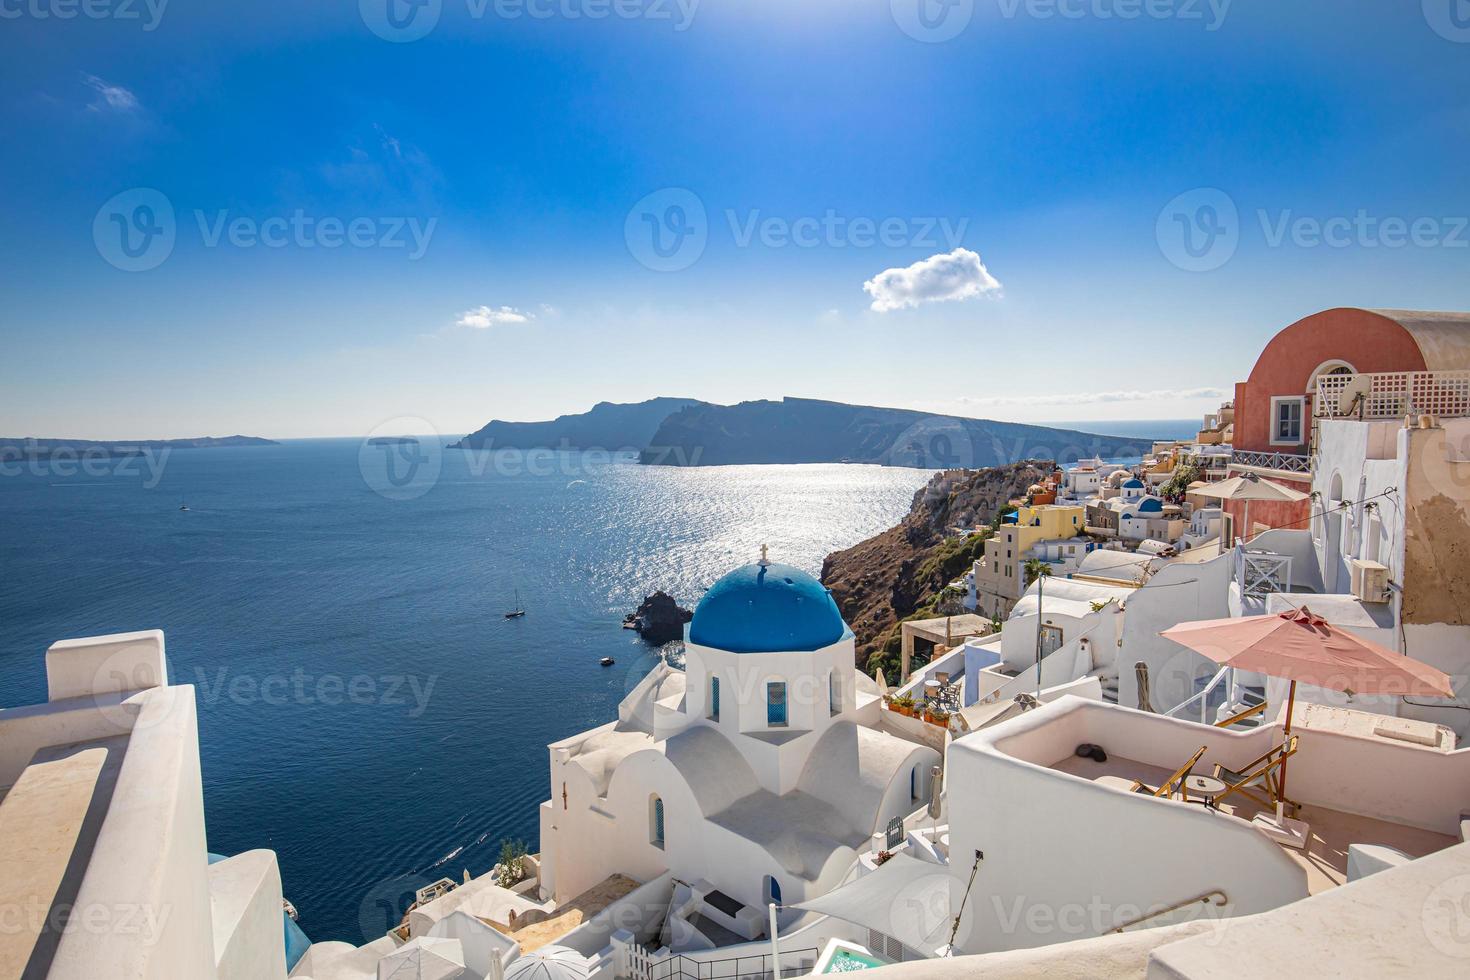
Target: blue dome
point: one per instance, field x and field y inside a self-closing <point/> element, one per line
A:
<point x="1133" y="485"/>
<point x="767" y="609"/>
<point x="1150" y="505"/>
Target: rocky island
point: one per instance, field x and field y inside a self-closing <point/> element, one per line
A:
<point x="659" y="619"/>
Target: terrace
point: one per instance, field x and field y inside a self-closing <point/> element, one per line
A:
<point x="102" y="816"/>
<point x="1393" y="395"/>
<point x="1325" y="858"/>
<point x="1065" y="831"/>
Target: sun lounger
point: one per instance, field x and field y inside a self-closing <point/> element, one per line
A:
<point x="1263" y="773"/>
<point x="1174" y="783"/>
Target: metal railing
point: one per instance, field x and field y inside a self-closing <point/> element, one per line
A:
<point x="753" y="967"/>
<point x="1392" y="395"/>
<point x="1272" y="461"/>
<point x="1203" y="899"/>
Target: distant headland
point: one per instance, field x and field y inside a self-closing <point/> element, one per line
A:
<point x="687" y="432"/>
<point x="32" y="448"/>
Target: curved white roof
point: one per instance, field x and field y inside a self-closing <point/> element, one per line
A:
<point x="1443" y="338"/>
<point x="716" y="772"/>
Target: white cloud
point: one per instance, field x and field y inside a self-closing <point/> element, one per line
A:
<point x="1100" y="397"/>
<point x="949" y="276"/>
<point x="110" y="96"/>
<point x="485" y="317"/>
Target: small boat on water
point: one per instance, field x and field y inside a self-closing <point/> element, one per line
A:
<point x="517" y="612"/>
<point x="288" y="908"/>
<point x="182" y="504"/>
<point x="607" y="661"/>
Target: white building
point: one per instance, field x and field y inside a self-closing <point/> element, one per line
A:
<point x="1205" y="524"/>
<point x="759" y="769"/>
<point x="1081" y="482"/>
<point x="1062" y="555"/>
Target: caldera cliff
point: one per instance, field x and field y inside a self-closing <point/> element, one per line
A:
<point x="900" y="573"/>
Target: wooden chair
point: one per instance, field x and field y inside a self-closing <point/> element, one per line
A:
<point x="1173" y="783"/>
<point x="1265" y="771"/>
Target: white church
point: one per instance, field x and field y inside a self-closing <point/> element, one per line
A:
<point x="760" y="766"/>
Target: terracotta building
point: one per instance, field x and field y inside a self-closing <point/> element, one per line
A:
<point x="1380" y="364"/>
<point x="1274" y="407"/>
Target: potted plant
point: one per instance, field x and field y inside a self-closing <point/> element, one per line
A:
<point x="904" y="705"/>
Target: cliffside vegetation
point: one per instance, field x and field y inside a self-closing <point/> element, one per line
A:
<point x="903" y="572"/>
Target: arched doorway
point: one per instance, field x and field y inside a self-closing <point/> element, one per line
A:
<point x="1332" y="550"/>
<point x="772" y="891"/>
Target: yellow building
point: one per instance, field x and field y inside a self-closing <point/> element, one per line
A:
<point x="1000" y="576"/>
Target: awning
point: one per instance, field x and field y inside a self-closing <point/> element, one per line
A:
<point x="905" y="898"/>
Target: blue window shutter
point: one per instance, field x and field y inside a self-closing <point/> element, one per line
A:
<point x="775" y="704"/>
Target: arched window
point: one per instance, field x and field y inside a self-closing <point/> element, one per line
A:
<point x="714" y="699"/>
<point x="776" y="704"/>
<point x="656" y="822"/>
<point x="772" y="891"/>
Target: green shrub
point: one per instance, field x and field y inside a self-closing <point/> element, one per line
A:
<point x="512" y="867"/>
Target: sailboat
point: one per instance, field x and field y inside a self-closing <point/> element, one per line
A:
<point x="517" y="612"/>
<point x="182" y="504"/>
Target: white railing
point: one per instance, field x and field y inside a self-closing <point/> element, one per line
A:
<point x="1226" y="694"/>
<point x="1393" y="395"/>
<point x="1261" y="573"/>
<point x="1210" y="698"/>
<point x="1273" y="461"/>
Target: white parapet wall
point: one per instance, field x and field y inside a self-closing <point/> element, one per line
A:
<point x="245" y="900"/>
<point x="1048" y="875"/>
<point x="96" y="665"/>
<point x="102" y="832"/>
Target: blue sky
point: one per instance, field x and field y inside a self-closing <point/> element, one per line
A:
<point x="1035" y="172"/>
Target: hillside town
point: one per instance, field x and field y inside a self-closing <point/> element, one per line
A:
<point x="1197" y="714"/>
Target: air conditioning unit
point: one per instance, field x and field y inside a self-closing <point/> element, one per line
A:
<point x="1369" y="580"/>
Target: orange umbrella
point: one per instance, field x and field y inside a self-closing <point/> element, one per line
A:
<point x="1300" y="646"/>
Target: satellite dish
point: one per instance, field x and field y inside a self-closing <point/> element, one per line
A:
<point x="1353" y="396"/>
